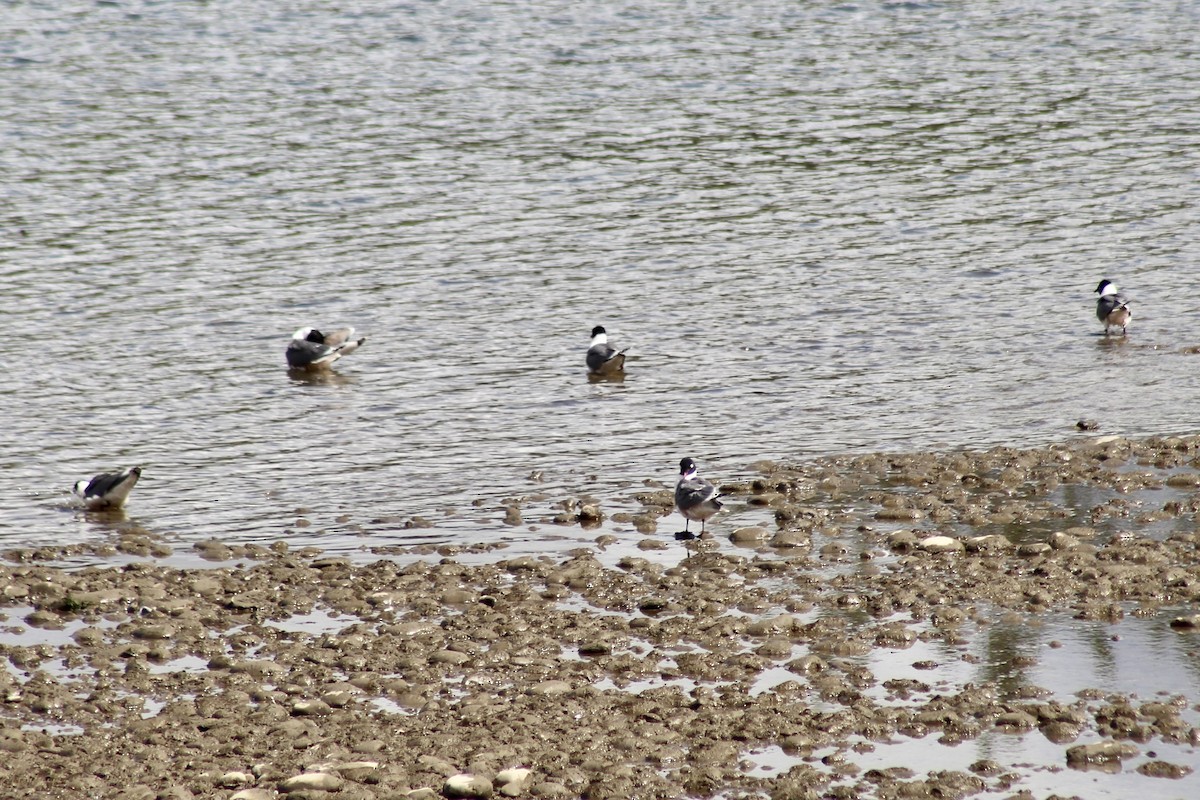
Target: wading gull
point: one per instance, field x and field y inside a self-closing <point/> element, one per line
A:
<point x="1112" y="308"/>
<point x="695" y="497"/>
<point x="108" y="489"/>
<point x="311" y="349"/>
<point x="602" y="358"/>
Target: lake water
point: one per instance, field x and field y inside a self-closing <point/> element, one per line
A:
<point x="820" y="228"/>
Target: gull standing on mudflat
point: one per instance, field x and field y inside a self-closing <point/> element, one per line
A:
<point x="695" y="497"/>
<point x="311" y="349"/>
<point x="108" y="490"/>
<point x="602" y="358"/>
<point x="1112" y="308"/>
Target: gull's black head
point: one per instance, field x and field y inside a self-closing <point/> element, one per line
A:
<point x="686" y="465"/>
<point x="316" y="336"/>
<point x="596" y="331"/>
<point x="1103" y="283"/>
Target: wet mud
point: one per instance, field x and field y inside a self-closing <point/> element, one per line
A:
<point x="803" y="656"/>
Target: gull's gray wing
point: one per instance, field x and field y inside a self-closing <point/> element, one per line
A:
<point x="604" y="357"/>
<point x="691" y="493"/>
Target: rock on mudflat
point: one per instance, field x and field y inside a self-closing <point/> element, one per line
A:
<point x="1164" y="769"/>
<point x="310" y="708"/>
<point x="749" y="535"/>
<point x="941" y="544"/>
<point x="320" y="781"/>
<point x="1190" y="623"/>
<point x="464" y="785"/>
<point x="1100" y="752"/>
<point x="354" y="770"/>
<point x="512" y="782"/>
<point x="253" y="794"/>
<point x="232" y="780"/>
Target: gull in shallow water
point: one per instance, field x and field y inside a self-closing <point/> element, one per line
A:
<point x="695" y="497"/>
<point x="1112" y="308"/>
<point x="108" y="490"/>
<point x="311" y="349"/>
<point x="603" y="358"/>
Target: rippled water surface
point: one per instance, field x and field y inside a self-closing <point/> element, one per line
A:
<point x="819" y="227"/>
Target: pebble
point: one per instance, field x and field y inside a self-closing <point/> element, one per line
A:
<point x="512" y="782"/>
<point x="941" y="544"/>
<point x="466" y="785"/>
<point x="253" y="794"/>
<point x="319" y="781"/>
<point x="749" y="535"/>
<point x="550" y="688"/>
<point x="1100" y="752"/>
<point x="449" y="657"/>
<point x="310" y="708"/>
<point x="232" y="780"/>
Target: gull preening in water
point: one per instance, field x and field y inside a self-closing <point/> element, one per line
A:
<point x="108" y="490"/>
<point x="695" y="497"/>
<point x="311" y="349"/>
<point x="603" y="358"/>
<point x="1113" y="307"/>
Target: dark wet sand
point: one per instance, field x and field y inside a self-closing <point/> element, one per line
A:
<point x="422" y="676"/>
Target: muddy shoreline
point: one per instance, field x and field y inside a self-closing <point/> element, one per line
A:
<point x="638" y="666"/>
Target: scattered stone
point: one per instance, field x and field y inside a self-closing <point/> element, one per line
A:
<point x="464" y="785"/>
<point x="311" y="781"/>
<point x="449" y="660"/>
<point x="452" y="657"/>
<point x="512" y="782"/>
<point x="232" y="780"/>
<point x="549" y="688"/>
<point x="310" y="708"/>
<point x="253" y="794"/>
<point x="750" y="535"/>
<point x="1100" y="752"/>
<point x="941" y="544"/>
<point x="1164" y="769"/>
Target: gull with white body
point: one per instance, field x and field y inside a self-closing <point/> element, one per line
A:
<point x="1112" y="308"/>
<point x="311" y="350"/>
<point x="602" y="358"/>
<point x="108" y="490"/>
<point x="696" y="498"/>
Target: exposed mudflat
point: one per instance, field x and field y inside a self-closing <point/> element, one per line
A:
<point x="879" y="638"/>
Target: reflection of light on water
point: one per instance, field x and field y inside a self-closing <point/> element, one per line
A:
<point x="639" y="686"/>
<point x="386" y="706"/>
<point x="1088" y="657"/>
<point x="181" y="664"/>
<point x="15" y="631"/>
<point x="316" y="621"/>
<point x="55" y="730"/>
<point x="1039" y="763"/>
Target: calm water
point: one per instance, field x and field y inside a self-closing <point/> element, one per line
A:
<point x="819" y="227"/>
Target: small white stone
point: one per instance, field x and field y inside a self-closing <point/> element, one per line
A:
<point x="310" y="708"/>
<point x="941" y="544"/>
<point x="512" y="775"/>
<point x="465" y="785"/>
<point x="321" y="781"/>
<point x="749" y="535"/>
<point x="233" y="779"/>
<point x="355" y="770"/>
<point x="253" y="794"/>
